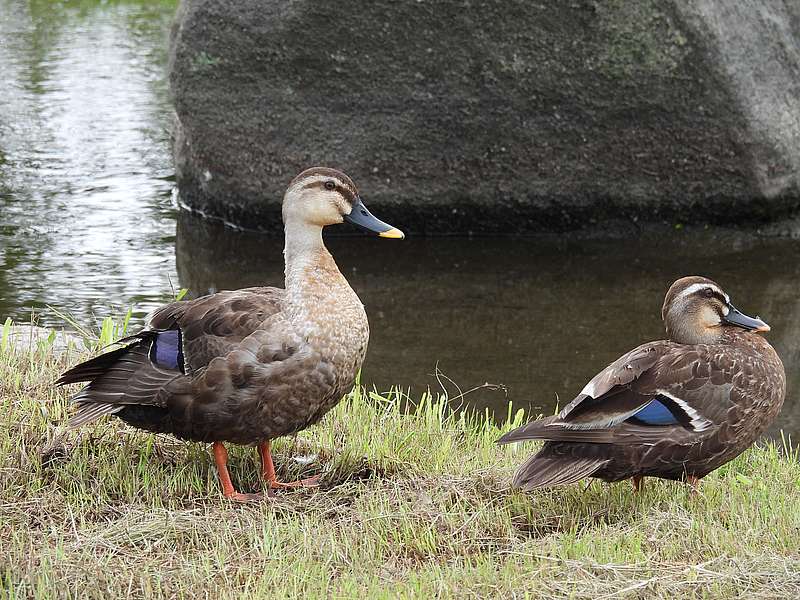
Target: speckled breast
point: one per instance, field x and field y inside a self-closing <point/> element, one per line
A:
<point x="336" y="334"/>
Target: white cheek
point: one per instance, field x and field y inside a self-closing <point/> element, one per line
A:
<point x="710" y="317"/>
<point x="725" y="310"/>
<point x="323" y="211"/>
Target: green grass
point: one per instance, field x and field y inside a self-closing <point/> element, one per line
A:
<point x="414" y="504"/>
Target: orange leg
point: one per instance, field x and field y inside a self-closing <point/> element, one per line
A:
<point x="638" y="483"/>
<point x="268" y="471"/>
<point x="221" y="458"/>
<point x="695" y="483"/>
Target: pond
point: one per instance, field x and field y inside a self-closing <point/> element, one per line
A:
<point x="88" y="225"/>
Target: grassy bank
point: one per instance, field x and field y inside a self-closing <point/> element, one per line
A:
<point x="412" y="505"/>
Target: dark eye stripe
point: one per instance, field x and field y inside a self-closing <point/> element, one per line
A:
<point x="348" y="194"/>
<point x="345" y="190"/>
<point x="714" y="294"/>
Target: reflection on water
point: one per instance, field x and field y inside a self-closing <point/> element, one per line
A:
<point x="86" y="219"/>
<point x="86" y="224"/>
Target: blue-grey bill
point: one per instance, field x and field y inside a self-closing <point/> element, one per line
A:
<point x="363" y="219"/>
<point x="738" y="318"/>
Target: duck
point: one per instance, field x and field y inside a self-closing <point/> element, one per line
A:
<point x="247" y="366"/>
<point x="674" y="409"/>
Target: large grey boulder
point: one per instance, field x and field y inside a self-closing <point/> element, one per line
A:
<point x="494" y="116"/>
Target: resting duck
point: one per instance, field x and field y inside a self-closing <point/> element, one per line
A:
<point x="250" y="365"/>
<point x="675" y="409"/>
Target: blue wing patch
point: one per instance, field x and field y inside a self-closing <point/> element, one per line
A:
<point x="656" y="413"/>
<point x="166" y="350"/>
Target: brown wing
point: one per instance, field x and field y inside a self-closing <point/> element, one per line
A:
<point x="214" y="325"/>
<point x="704" y="387"/>
<point x="210" y="327"/>
<point x="613" y="394"/>
<point x="606" y="400"/>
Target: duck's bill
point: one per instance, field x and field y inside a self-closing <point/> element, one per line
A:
<point x="735" y="317"/>
<point x="363" y="219"/>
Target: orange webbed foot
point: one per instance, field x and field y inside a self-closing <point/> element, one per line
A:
<point x="271" y="480"/>
<point x="221" y="460"/>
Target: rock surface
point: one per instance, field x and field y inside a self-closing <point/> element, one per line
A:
<point x="505" y="116"/>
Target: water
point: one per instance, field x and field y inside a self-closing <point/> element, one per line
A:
<point x="86" y="220"/>
<point x="87" y="225"/>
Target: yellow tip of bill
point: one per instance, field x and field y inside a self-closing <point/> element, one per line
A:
<point x="393" y="233"/>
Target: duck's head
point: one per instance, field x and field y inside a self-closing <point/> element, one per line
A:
<point x="698" y="311"/>
<point x="320" y="196"/>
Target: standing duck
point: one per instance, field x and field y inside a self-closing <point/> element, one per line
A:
<point x="675" y="409"/>
<point x="250" y="365"/>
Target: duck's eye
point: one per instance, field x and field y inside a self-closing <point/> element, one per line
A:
<point x="708" y="293"/>
<point x="330" y="185"/>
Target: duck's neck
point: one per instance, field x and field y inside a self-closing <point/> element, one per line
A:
<point x="689" y="334"/>
<point x="302" y="249"/>
<point x="311" y="272"/>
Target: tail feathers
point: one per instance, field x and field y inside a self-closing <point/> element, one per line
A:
<point x="94" y="367"/>
<point x="91" y="411"/>
<point x="121" y="378"/>
<point x="548" y="471"/>
<point x="554" y="430"/>
<point x="535" y="430"/>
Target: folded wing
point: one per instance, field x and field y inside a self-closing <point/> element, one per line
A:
<point x="659" y="389"/>
<point x="157" y="364"/>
